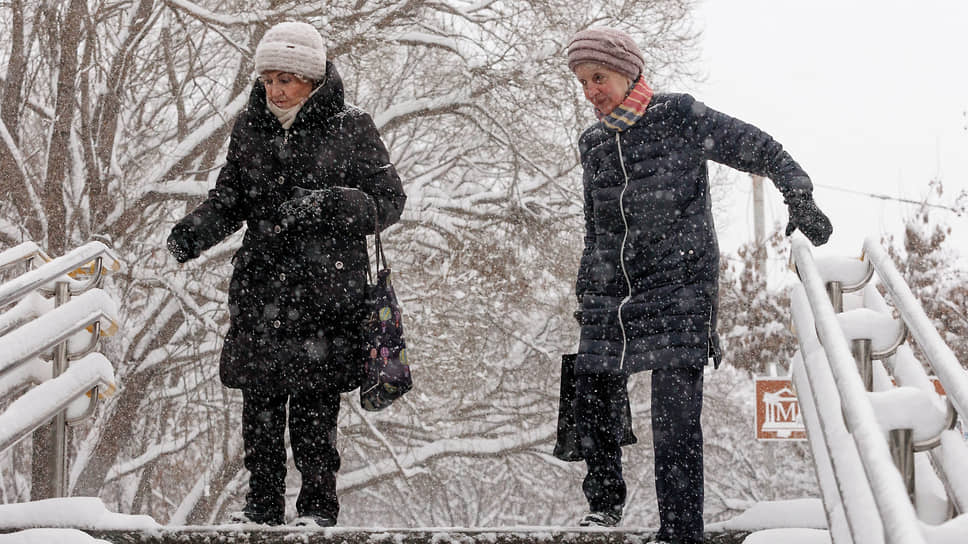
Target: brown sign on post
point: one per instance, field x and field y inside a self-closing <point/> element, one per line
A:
<point x="778" y="411"/>
<point x="938" y="388"/>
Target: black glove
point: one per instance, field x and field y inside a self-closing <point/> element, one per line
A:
<point x="806" y="216"/>
<point x="308" y="206"/>
<point x="181" y="243"/>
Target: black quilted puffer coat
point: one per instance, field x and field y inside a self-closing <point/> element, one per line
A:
<point x="297" y="289"/>
<point x="648" y="276"/>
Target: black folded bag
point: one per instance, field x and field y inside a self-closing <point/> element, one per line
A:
<point x="567" y="447"/>
<point x="386" y="369"/>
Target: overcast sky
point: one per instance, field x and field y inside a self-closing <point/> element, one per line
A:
<point x="867" y="95"/>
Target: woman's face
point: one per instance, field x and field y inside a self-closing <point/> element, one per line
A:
<point x="285" y="90"/>
<point x="603" y="87"/>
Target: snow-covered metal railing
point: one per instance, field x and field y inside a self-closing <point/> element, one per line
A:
<point x="22" y="253"/>
<point x="69" y="329"/>
<point x="898" y="519"/>
<point x="948" y="449"/>
<point x="93" y="259"/>
<point x="94" y="310"/>
<point x="850" y="403"/>
<point x="41" y="403"/>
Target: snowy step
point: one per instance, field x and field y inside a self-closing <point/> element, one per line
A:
<point x="349" y="535"/>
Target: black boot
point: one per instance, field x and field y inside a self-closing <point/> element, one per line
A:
<point x="261" y="512"/>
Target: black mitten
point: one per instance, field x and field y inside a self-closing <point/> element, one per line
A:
<point x="308" y="206"/>
<point x="806" y="216"/>
<point x="181" y="243"/>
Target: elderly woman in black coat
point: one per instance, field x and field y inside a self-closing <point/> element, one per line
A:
<point x="310" y="177"/>
<point x="647" y="282"/>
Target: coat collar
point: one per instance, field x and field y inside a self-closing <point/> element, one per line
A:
<point x="326" y="102"/>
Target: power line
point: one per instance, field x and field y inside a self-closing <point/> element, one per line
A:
<point x="894" y="198"/>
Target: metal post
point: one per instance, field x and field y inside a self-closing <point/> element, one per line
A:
<point x="759" y="226"/>
<point x="861" y="350"/>
<point x="49" y="452"/>
<point x="62" y="295"/>
<point x="836" y="294"/>
<point x="902" y="452"/>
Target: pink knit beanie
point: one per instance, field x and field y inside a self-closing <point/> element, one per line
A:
<point x="292" y="47"/>
<point x="609" y="47"/>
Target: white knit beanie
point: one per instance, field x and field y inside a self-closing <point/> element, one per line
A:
<point x="292" y="47"/>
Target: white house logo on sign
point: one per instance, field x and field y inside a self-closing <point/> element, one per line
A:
<point x="778" y="411"/>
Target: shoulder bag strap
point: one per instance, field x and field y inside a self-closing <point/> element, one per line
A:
<point x="381" y="258"/>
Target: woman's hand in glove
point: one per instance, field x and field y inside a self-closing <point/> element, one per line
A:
<point x="181" y="243"/>
<point x="806" y="216"/>
<point x="308" y="206"/>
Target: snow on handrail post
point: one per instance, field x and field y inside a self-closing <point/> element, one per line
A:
<point x="942" y="360"/>
<point x="42" y="276"/>
<point x="37" y="406"/>
<point x="901" y="525"/>
<point x="853" y="516"/>
<point x="846" y="281"/>
<point x="21" y="253"/>
<point x="56" y="326"/>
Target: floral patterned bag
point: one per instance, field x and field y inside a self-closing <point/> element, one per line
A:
<point x="386" y="371"/>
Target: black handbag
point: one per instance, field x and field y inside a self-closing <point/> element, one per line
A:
<point x="567" y="447"/>
<point x="386" y="370"/>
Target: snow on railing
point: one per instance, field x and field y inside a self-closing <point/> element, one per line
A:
<point x="56" y="326"/>
<point x="942" y="360"/>
<point x="66" y="329"/>
<point x="22" y="253"/>
<point x="865" y="424"/>
<point x="852" y="515"/>
<point x="43" y="402"/>
<point x="93" y="258"/>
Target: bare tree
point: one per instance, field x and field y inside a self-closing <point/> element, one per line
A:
<point x="925" y="255"/>
<point x="115" y="117"/>
<point x="754" y="315"/>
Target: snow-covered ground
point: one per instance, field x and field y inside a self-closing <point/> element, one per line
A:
<point x="64" y="521"/>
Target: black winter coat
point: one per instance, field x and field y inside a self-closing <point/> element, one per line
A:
<point x="297" y="289"/>
<point x="648" y="276"/>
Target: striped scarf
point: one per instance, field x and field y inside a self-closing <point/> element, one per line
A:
<point x="631" y="109"/>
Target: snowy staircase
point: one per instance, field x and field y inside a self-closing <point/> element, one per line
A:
<point x="889" y="462"/>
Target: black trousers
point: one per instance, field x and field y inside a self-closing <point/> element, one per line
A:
<point x="312" y="434"/>
<point x="677" y="441"/>
<point x="600" y="424"/>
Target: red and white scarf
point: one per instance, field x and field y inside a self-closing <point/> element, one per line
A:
<point x="631" y="109"/>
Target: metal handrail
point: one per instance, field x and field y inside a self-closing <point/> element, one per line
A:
<point x="27" y="308"/>
<point x="846" y="281"/>
<point x="58" y="268"/>
<point x="92" y="344"/>
<point x="79" y="272"/>
<point x="901" y="525"/>
<point x="37" y="406"/>
<point x="77" y="287"/>
<point x="21" y="253"/>
<point x="942" y="360"/>
<point x="831" y="442"/>
<point x="58" y="325"/>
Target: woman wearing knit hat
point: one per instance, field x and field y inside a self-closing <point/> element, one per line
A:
<point x="648" y="279"/>
<point x="310" y="177"/>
